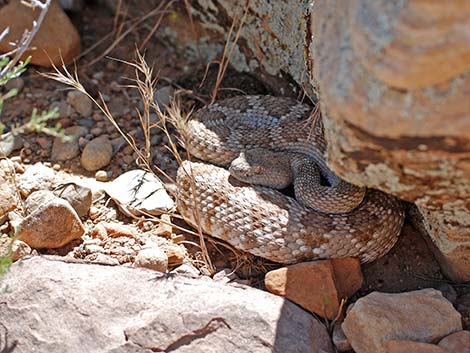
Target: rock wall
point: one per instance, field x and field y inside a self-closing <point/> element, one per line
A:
<point x="394" y="81"/>
<point x="274" y="43"/>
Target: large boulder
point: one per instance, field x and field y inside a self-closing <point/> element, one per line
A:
<point x="394" y="79"/>
<point x="51" y="306"/>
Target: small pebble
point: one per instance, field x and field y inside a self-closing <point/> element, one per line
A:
<point x="101" y="175"/>
<point x="153" y="258"/>
<point x="15" y="83"/>
<point x="96" y="131"/>
<point x="94" y="212"/>
<point x="80" y="102"/>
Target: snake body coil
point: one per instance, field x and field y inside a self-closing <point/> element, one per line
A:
<point x="264" y="221"/>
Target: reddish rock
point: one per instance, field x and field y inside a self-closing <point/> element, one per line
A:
<point x="401" y="346"/>
<point x="317" y="286"/>
<point x="458" y="342"/>
<point x="56" y="36"/>
<point x="423" y="315"/>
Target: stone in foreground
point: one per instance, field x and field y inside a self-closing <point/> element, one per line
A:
<point x="422" y="315"/>
<point x="317" y="286"/>
<point x="76" y="307"/>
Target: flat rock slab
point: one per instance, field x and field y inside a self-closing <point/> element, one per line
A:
<point x="48" y="305"/>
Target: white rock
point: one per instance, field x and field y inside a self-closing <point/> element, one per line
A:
<point x="137" y="192"/>
<point x="36" y="177"/>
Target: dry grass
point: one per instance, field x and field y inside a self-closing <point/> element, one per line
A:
<point x="123" y="27"/>
<point x="145" y="81"/>
<point x="227" y="53"/>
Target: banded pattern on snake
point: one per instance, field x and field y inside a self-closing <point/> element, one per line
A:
<point x="343" y="220"/>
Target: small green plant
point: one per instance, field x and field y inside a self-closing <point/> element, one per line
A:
<point x="6" y="259"/>
<point x="14" y="72"/>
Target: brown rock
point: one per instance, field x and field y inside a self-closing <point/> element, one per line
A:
<point x="458" y="342"/>
<point x="165" y="228"/>
<point x="51" y="225"/>
<point x="79" y="197"/>
<point x="176" y="254"/>
<point x="66" y="150"/>
<point x="317" y="286"/>
<point x="395" y="118"/>
<point x="402" y="346"/>
<point x="56" y="36"/>
<point x="114" y="230"/>
<point x="96" y="154"/>
<point x="423" y="315"/>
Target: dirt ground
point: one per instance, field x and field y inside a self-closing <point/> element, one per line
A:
<point x="409" y="266"/>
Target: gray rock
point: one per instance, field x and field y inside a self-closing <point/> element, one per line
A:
<point x="51" y="224"/>
<point x="422" y="315"/>
<point x="81" y="103"/>
<point x="63" y="109"/>
<point x="36" y="177"/>
<point x="74" y="307"/>
<point x="9" y="143"/>
<point x="77" y="195"/>
<point x="187" y="269"/>
<point x="97" y="154"/>
<point x="15" y="83"/>
<point x="65" y="150"/>
<point x="163" y="96"/>
<point x="72" y="5"/>
<point x="137" y="192"/>
<point x="340" y="340"/>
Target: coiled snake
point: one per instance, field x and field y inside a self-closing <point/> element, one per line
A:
<point x="335" y="220"/>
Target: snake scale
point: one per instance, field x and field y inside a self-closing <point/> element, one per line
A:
<point x="264" y="221"/>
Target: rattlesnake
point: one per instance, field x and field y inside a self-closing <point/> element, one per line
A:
<point x="263" y="221"/>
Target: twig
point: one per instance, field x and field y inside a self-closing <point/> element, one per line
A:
<point x="225" y="60"/>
